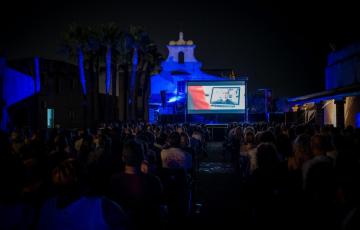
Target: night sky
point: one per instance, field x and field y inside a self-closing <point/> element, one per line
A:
<point x="282" y="47"/>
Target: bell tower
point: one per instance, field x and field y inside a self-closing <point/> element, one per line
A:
<point x="181" y="51"/>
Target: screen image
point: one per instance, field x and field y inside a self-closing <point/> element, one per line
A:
<point x="216" y="97"/>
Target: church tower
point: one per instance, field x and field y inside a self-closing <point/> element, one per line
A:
<point x="169" y="86"/>
<point x="181" y="51"/>
<point x="181" y="57"/>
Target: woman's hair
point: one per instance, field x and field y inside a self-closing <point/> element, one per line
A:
<point x="249" y="137"/>
<point x="185" y="137"/>
<point x="66" y="174"/>
<point x="302" y="144"/>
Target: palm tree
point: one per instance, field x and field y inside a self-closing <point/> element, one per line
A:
<point x="110" y="38"/>
<point x="144" y="58"/>
<point x="132" y="50"/>
<point x="150" y="66"/>
<point x="75" y="44"/>
<point x="125" y="49"/>
<point x="94" y="54"/>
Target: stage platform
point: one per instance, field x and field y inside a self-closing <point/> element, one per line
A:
<point x="218" y="119"/>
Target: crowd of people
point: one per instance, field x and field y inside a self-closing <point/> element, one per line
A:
<point x="132" y="176"/>
<point x="298" y="177"/>
<point x="120" y="176"/>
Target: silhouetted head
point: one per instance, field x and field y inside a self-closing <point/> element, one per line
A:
<point x="283" y="145"/>
<point x="267" y="136"/>
<point x="267" y="156"/>
<point x="249" y="137"/>
<point x="174" y="139"/>
<point x="318" y="145"/>
<point x="65" y="175"/>
<point x="185" y="140"/>
<point x="301" y="146"/>
<point x="238" y="133"/>
<point x="133" y="154"/>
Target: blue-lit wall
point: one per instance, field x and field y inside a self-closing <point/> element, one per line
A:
<point x="357" y="124"/>
<point x="16" y="86"/>
<point x="343" y="67"/>
<point x="173" y="73"/>
<point x="168" y="81"/>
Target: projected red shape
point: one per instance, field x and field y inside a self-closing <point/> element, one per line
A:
<point x="198" y="98"/>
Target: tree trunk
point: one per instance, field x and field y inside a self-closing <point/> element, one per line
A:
<point x="91" y="95"/>
<point x="107" y="84"/>
<point x="96" y="88"/>
<point x="146" y="93"/>
<point x="125" y="68"/>
<point x="82" y="71"/>
<point x="132" y="85"/>
<point x="83" y="85"/>
<point x="115" y="109"/>
<point x="141" y="90"/>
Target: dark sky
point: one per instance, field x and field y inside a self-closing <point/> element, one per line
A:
<point x="279" y="46"/>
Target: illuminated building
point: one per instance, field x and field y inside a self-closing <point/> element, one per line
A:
<point x="339" y="104"/>
<point x="40" y="93"/>
<point x="168" y="87"/>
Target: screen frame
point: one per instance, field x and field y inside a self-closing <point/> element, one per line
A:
<point x="242" y="81"/>
<point x="212" y="93"/>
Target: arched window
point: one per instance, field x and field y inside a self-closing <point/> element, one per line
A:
<point x="181" y="58"/>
